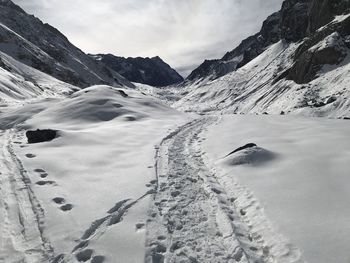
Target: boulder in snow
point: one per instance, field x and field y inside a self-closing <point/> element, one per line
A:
<point x="41" y="136"/>
<point x="250" y="154"/>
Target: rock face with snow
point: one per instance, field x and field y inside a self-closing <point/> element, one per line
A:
<point x="328" y="45"/>
<point x="323" y="11"/>
<point x="151" y="71"/>
<point x="290" y="23"/>
<point x="43" y="47"/>
<point x="19" y="82"/>
<point x="297" y="63"/>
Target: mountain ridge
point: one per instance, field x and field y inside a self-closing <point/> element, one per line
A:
<point x="289" y="23"/>
<point x="303" y="73"/>
<point x="296" y="20"/>
<point x="146" y="70"/>
<point x="43" y="47"/>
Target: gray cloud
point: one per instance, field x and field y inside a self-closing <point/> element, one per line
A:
<point x="182" y="32"/>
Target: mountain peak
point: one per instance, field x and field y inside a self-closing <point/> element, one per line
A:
<point x="151" y="71"/>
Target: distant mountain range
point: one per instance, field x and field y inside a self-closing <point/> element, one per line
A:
<point x="152" y="71"/>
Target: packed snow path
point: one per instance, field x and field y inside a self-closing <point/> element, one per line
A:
<point x="21" y="216"/>
<point x="192" y="217"/>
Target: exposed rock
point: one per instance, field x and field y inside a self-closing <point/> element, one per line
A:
<point x="290" y="23"/>
<point x="323" y="11"/>
<point x="248" y="145"/>
<point x="255" y="156"/>
<point x="326" y="46"/>
<point x="294" y="20"/>
<point x="151" y="71"/>
<point x="41" y="136"/>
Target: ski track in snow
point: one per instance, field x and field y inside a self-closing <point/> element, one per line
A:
<point x="193" y="219"/>
<point x="194" y="215"/>
<point x="21" y="216"/>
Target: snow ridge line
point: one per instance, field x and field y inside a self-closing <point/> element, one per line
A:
<point x="23" y="215"/>
<point x="191" y="218"/>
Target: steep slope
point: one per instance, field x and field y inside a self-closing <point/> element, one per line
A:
<point x="310" y="76"/>
<point x="151" y="71"/>
<point x="20" y="82"/>
<point x="290" y="23"/>
<point x="43" y="47"/>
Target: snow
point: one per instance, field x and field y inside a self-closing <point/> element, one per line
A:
<point x="334" y="40"/>
<point x="302" y="190"/>
<point x="21" y="82"/>
<point x="254" y="89"/>
<point x="336" y="20"/>
<point x="104" y="154"/>
<point x="340" y="18"/>
<point x="130" y="179"/>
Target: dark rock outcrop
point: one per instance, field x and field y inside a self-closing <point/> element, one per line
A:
<point x="311" y="55"/>
<point x="248" y="145"/>
<point x="151" y="71"/>
<point x="323" y="11"/>
<point x="294" y="20"/>
<point x="41" y="136"/>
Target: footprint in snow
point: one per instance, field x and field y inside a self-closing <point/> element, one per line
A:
<point x="98" y="259"/>
<point x="61" y="201"/>
<point x="66" y="207"/>
<point x="140" y="226"/>
<point x="84" y="255"/>
<point x="87" y="254"/>
<point x="43" y="173"/>
<point x="30" y="155"/>
<point x="42" y="183"/>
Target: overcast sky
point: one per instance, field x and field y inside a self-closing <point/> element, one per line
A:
<point x="182" y="32"/>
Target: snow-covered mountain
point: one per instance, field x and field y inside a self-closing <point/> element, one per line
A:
<point x="151" y="71"/>
<point x="19" y="82"/>
<point x="298" y="63"/>
<point x="290" y="23"/>
<point x="127" y="178"/>
<point x="43" y="47"/>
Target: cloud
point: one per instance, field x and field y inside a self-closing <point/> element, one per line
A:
<point x="182" y="32"/>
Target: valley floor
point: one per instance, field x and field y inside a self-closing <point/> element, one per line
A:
<point x="157" y="185"/>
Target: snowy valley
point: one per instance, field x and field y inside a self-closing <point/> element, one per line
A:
<point x="246" y="160"/>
